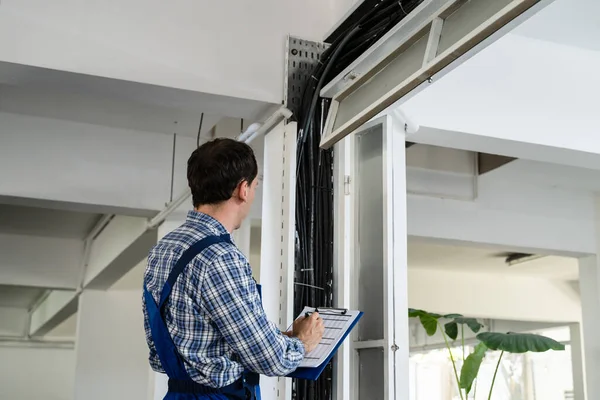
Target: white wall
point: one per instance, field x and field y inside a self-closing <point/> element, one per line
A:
<point x="36" y="373"/>
<point x="14" y="321"/>
<point x="112" y="356"/>
<point x="233" y="48"/>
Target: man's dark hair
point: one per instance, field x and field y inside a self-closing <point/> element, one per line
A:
<point x="217" y="167"/>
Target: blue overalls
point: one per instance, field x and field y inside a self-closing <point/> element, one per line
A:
<point x="181" y="386"/>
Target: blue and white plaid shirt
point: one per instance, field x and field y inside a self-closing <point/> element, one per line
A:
<point x="214" y="313"/>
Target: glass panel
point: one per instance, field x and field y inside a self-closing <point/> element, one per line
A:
<point x="543" y="376"/>
<point x="369" y="196"/>
<point x="370" y="374"/>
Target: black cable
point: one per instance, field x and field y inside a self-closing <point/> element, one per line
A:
<point x="199" y="130"/>
<point x="314" y="173"/>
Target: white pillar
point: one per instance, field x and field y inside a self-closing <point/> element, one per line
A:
<point x="111" y="360"/>
<point x="589" y="285"/>
<point x="277" y="240"/>
<point x="577" y="362"/>
<point x="241" y="237"/>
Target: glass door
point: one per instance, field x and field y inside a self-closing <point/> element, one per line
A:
<point x="374" y="177"/>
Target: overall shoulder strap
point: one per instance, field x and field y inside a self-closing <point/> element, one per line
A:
<point x="166" y="349"/>
<point x="184" y="260"/>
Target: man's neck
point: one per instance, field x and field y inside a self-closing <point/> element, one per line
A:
<point x="221" y="213"/>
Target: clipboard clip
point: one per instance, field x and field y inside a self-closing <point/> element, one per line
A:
<point x="329" y="311"/>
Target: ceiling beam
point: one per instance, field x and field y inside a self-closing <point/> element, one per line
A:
<point x="453" y="292"/>
<point x="489" y="162"/>
<point x="510" y="216"/>
<point x="121" y="245"/>
<point x="507" y="147"/>
<point x="56" y="307"/>
<point x="40" y="261"/>
<point x="115" y="246"/>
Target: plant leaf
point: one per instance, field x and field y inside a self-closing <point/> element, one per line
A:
<point x="451" y="330"/>
<point x="453" y="316"/>
<point x="452" y="326"/>
<point x="472" y="323"/>
<point x="414" y="313"/>
<point x="428" y="320"/>
<point x="519" y="342"/>
<point x="430" y="323"/>
<point x="471" y="366"/>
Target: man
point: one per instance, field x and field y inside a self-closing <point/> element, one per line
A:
<point x="205" y="325"/>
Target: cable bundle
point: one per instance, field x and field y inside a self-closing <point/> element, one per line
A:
<point x="314" y="174"/>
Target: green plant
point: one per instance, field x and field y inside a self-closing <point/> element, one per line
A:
<point x="503" y="342"/>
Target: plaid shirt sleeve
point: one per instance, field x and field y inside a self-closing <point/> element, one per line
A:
<point x="153" y="357"/>
<point x="230" y="297"/>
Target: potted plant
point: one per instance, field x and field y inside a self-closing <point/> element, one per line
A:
<point x="503" y="342"/>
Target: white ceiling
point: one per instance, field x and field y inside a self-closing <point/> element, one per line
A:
<point x="99" y="89"/>
<point x="21" y="220"/>
<point x="569" y="22"/>
<point x="433" y="256"/>
<point x="106" y="110"/>
<point x="18" y="296"/>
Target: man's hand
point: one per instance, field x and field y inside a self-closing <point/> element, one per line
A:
<point x="309" y="330"/>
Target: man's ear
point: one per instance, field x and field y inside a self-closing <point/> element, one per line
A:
<point x="243" y="189"/>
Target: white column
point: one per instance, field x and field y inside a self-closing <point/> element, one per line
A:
<point x="577" y="362"/>
<point x="241" y="237"/>
<point x="589" y="284"/>
<point x="589" y="287"/>
<point x="111" y="360"/>
<point x="277" y="240"/>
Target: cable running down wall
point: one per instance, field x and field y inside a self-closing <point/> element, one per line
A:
<point x="314" y="175"/>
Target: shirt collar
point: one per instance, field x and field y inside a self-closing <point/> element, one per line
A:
<point x="198" y="218"/>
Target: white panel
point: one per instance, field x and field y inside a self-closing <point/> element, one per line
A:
<point x="111" y="352"/>
<point x="81" y="163"/>
<point x="40" y="261"/>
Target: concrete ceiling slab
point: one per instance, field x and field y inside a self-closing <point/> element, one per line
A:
<point x="567" y="22"/>
<point x="22" y="220"/>
<point x="19" y="296"/>
<point x="426" y="255"/>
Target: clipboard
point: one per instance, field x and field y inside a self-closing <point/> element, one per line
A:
<point x="313" y="373"/>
